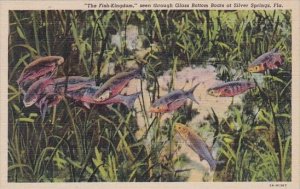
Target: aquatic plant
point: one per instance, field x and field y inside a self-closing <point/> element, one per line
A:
<point x="252" y="135"/>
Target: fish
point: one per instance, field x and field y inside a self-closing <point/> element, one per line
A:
<point x="85" y="95"/>
<point x="48" y="101"/>
<point x="230" y="89"/>
<point x="268" y="61"/>
<point x="116" y="84"/>
<point x="196" y="144"/>
<point x="173" y="101"/>
<point x="41" y="67"/>
<point x="37" y="90"/>
<point x="74" y="83"/>
<point x="127" y="100"/>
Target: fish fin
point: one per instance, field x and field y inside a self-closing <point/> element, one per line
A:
<point x="87" y="105"/>
<point x="278" y="63"/>
<point x="275" y="50"/>
<point x="192" y="97"/>
<point x="182" y="88"/>
<point x="190" y="94"/>
<point x="193" y="89"/>
<point x="212" y="164"/>
<point x="175" y="104"/>
<point x="43" y="110"/>
<point x="130" y="99"/>
<point x="138" y="73"/>
<point x="267" y="72"/>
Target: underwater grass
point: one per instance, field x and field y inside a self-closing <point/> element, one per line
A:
<point x="75" y="145"/>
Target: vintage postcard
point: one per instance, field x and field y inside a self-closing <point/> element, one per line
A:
<point x="137" y="94"/>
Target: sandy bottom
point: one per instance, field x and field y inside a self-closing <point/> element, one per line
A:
<point x="186" y="79"/>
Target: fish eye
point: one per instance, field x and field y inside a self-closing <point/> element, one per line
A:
<point x="212" y="92"/>
<point x="28" y="101"/>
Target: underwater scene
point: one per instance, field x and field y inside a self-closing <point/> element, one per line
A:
<point x="149" y="96"/>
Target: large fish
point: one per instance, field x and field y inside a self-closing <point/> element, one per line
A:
<point x="74" y="83"/>
<point x="267" y="61"/>
<point x="41" y="67"/>
<point x="37" y="90"/>
<point x="230" y="89"/>
<point x="85" y="95"/>
<point x="48" y="101"/>
<point x="173" y="101"/>
<point x="116" y="84"/>
<point x="196" y="144"/>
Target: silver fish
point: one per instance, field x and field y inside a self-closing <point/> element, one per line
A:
<point x="173" y="100"/>
<point x="74" y="83"/>
<point x="85" y="95"/>
<point x="37" y="90"/>
<point x="41" y="67"/>
<point x="49" y="100"/>
<point x="116" y="84"/>
<point x="196" y="144"/>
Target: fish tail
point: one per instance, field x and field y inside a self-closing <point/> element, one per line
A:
<point x="275" y="50"/>
<point x="190" y="94"/>
<point x="130" y="99"/>
<point x="213" y="164"/>
<point x="43" y="110"/>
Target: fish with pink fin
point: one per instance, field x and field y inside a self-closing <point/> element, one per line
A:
<point x="230" y="89"/>
<point x="116" y="84"/>
<point x="268" y="61"/>
<point x="48" y="101"/>
<point x="41" y="67"/>
<point x="85" y="95"/>
<point x="38" y="90"/>
<point x="72" y="83"/>
<point x="173" y="101"/>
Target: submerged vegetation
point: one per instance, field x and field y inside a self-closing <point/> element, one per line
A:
<point x="73" y="144"/>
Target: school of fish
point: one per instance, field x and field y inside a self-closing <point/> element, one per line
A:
<point x="39" y="86"/>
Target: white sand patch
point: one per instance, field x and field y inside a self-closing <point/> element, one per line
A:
<point x="185" y="79"/>
<point x="131" y="36"/>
